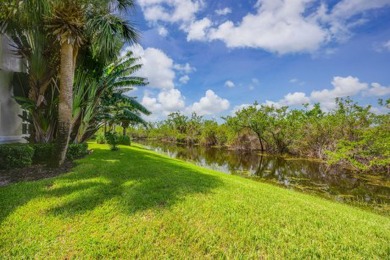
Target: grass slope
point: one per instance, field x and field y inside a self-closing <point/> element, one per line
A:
<point x="136" y="203"/>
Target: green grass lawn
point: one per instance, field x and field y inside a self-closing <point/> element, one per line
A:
<point x="136" y="203"/>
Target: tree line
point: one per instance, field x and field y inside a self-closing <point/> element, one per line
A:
<point x="350" y="135"/>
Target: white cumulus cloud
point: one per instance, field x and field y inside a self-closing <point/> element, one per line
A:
<point x="170" y="10"/>
<point x="171" y="100"/>
<point x="210" y="104"/>
<point x="161" y="96"/>
<point x="296" y="98"/>
<point x="151" y="103"/>
<point x="278" y="26"/>
<point x="166" y="102"/>
<point x="160" y="70"/>
<point x="157" y="67"/>
<point x="291" y="99"/>
<point x="377" y="90"/>
<point x="198" y="29"/>
<point x="342" y="87"/>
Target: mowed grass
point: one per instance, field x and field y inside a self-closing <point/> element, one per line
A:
<point x="134" y="203"/>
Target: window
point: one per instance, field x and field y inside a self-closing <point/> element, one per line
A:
<point x="26" y="127"/>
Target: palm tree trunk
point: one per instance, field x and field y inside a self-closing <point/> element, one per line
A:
<point x="65" y="102"/>
<point x="75" y="129"/>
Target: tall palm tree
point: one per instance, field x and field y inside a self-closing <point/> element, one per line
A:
<point x="74" y="23"/>
<point x="67" y="23"/>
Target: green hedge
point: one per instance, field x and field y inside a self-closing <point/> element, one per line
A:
<point x="23" y="155"/>
<point x="76" y="151"/>
<point x="15" y="156"/>
<point x="43" y="153"/>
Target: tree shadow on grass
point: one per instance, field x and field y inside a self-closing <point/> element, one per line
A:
<point x="13" y="196"/>
<point x="136" y="179"/>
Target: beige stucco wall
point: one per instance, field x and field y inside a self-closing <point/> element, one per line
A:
<point x="10" y="122"/>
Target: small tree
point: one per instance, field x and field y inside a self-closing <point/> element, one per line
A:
<point x="112" y="140"/>
<point x="254" y="118"/>
<point x="103" y="101"/>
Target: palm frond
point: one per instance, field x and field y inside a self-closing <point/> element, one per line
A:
<point x="134" y="104"/>
<point x="131" y="117"/>
<point x="129" y="82"/>
<point x="108" y="39"/>
<point x="125" y="4"/>
<point x="129" y="32"/>
<point x="67" y="22"/>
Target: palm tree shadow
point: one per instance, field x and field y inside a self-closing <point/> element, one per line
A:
<point x="11" y="198"/>
<point x="136" y="181"/>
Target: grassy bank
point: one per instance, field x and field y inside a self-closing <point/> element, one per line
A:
<point x="136" y="203"/>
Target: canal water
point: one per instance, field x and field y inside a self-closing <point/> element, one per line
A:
<point x="367" y="191"/>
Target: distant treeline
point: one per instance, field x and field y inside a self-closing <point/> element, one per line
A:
<point x="350" y="135"/>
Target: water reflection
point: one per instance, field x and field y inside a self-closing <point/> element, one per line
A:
<point x="303" y="175"/>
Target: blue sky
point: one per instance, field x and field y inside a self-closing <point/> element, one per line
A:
<point x="213" y="57"/>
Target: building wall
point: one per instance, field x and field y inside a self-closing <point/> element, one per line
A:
<point x="10" y="122"/>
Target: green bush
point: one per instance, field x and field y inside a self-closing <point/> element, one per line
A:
<point x="23" y="155"/>
<point x="124" y="140"/>
<point x="42" y="153"/>
<point x="15" y="156"/>
<point x="100" y="138"/>
<point x="113" y="140"/>
<point x="76" y="151"/>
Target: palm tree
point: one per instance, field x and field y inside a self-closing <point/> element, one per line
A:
<point x="102" y="99"/>
<point x="125" y="110"/>
<point x="67" y="23"/>
<point x="74" y="23"/>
